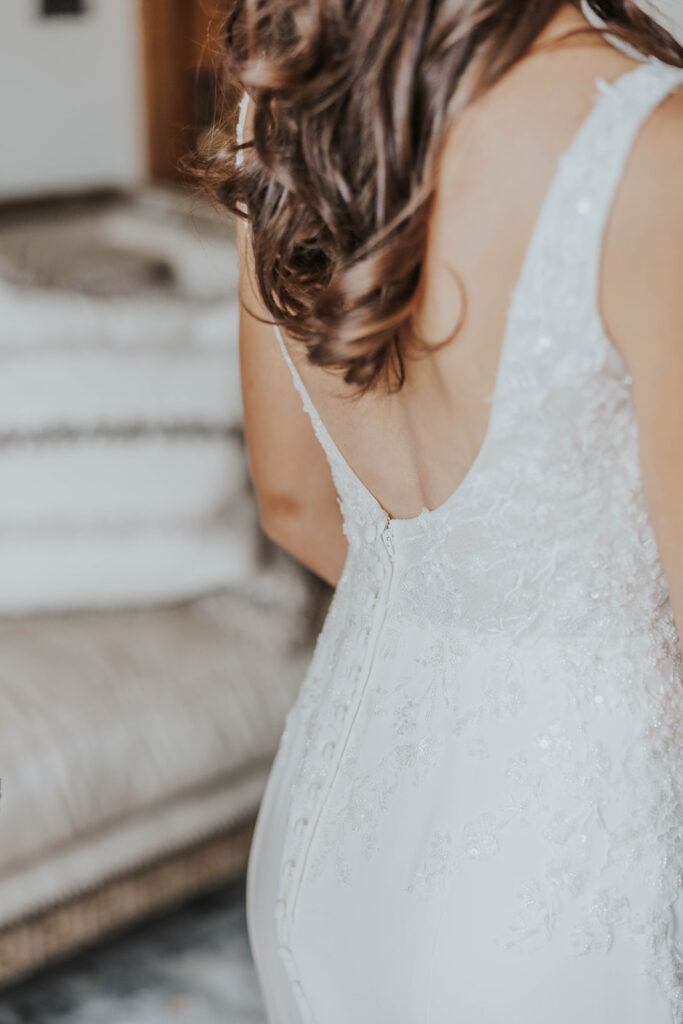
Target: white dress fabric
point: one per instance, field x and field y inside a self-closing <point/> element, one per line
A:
<point x="475" y="814"/>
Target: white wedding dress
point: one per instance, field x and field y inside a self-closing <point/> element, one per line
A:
<point x="475" y="812"/>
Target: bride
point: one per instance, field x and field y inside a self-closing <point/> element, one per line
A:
<point x="461" y="228"/>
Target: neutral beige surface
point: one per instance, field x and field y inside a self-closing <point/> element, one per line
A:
<point x="124" y="735"/>
<point x="61" y="929"/>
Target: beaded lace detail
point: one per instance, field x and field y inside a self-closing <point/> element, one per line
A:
<point x="523" y="627"/>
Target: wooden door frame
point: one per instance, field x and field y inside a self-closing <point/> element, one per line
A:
<point x="170" y="51"/>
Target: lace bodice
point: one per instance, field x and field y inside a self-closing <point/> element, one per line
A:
<point x="518" y="639"/>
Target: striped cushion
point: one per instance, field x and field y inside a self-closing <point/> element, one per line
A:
<point x="123" y="476"/>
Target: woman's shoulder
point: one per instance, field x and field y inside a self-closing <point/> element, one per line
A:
<point x="642" y="276"/>
<point x="649" y="201"/>
<point x="662" y="132"/>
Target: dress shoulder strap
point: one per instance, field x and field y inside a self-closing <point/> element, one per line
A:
<point x="561" y="278"/>
<point x="346" y="482"/>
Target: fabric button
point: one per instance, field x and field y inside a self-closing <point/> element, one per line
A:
<point x="280" y="909"/>
<point x="313" y="790"/>
<point x="285" y="955"/>
<point x="290" y="864"/>
<point x="297" y="989"/>
<point x="300" y="825"/>
<point x="328" y="749"/>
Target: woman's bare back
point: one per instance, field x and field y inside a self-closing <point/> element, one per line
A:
<point x="413" y="448"/>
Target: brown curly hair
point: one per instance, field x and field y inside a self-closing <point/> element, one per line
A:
<point x="352" y="102"/>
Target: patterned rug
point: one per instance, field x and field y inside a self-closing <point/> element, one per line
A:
<point x="193" y="966"/>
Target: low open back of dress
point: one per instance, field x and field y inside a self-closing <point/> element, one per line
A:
<point x="358" y="451"/>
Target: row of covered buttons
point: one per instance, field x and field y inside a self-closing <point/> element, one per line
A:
<point x="285" y="954"/>
<point x="370" y="534"/>
<point x="302" y="821"/>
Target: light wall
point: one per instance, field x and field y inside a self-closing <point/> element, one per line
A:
<point x="71" y="101"/>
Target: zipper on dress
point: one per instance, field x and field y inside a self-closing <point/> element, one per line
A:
<point x="388" y="537"/>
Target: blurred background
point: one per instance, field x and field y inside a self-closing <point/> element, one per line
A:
<point x="152" y="639"/>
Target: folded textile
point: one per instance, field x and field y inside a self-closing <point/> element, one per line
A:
<point x="122" y="464"/>
<point x="118" y="481"/>
<point x="108" y="719"/>
<point x="40" y="319"/>
<point x="141" y="566"/>
<point x="93" y="386"/>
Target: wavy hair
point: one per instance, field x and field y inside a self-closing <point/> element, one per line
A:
<point x="352" y="100"/>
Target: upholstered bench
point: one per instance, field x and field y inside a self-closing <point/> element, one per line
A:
<point x="134" y="749"/>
